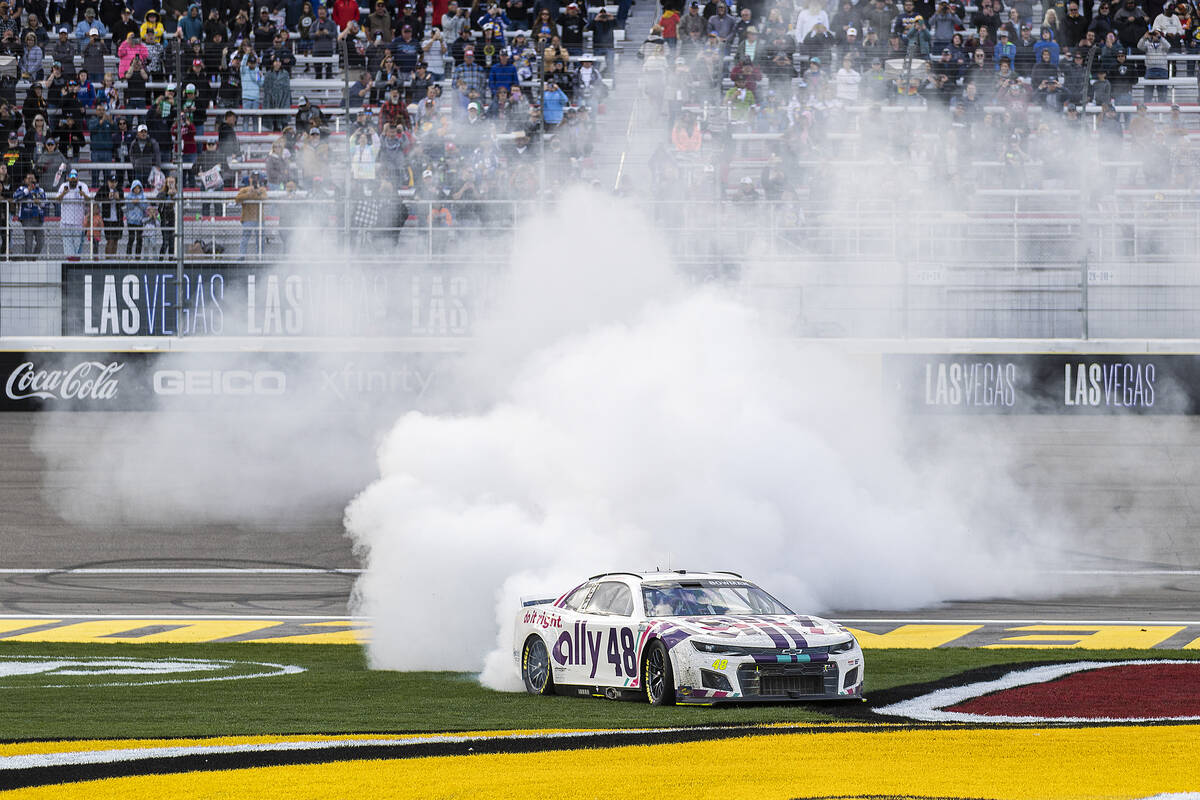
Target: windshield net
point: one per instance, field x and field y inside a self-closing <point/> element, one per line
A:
<point x="705" y="598"/>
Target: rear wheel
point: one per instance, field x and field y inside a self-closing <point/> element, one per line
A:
<point x="535" y="667"/>
<point x="657" y="675"/>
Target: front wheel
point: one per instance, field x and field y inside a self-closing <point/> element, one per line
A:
<point x="535" y="667"/>
<point x="657" y="675"/>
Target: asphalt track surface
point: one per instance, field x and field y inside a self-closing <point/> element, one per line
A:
<point x="1128" y="485"/>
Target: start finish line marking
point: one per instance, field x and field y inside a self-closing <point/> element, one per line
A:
<point x="872" y="634"/>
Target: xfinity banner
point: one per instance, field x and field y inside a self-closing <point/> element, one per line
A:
<point x="1045" y="383"/>
<point x="264" y="300"/>
<point x="87" y="381"/>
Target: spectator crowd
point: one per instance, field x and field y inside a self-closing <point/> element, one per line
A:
<point x="449" y="106"/>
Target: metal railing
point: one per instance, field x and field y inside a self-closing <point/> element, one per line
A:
<point x="1052" y="263"/>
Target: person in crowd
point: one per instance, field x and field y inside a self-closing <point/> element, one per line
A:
<point x="252" y="85"/>
<point x="137" y="214"/>
<point x="324" y="36"/>
<point x="144" y="154"/>
<point x="277" y="93"/>
<point x="1156" y="47"/>
<point x="252" y="197"/>
<point x="111" y="202"/>
<point x="1045" y="80"/>
<point x="74" y="199"/>
<point x="165" y="208"/>
<point x="30" y="200"/>
<point x="51" y="164"/>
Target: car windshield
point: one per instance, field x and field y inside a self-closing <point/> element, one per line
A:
<point x="708" y="597"/>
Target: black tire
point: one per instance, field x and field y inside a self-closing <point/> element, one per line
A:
<point x="658" y="678"/>
<point x="535" y="667"/>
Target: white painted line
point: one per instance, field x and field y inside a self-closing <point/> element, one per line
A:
<point x="181" y="571"/>
<point x="931" y="707"/>
<point x="72" y="758"/>
<point x="195" y="617"/>
<point x="1037" y="621"/>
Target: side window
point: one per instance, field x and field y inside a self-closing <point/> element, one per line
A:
<point x="575" y="599"/>
<point x="611" y="598"/>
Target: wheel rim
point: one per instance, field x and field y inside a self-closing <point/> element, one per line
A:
<point x="654" y="673"/>
<point x="537" y="665"/>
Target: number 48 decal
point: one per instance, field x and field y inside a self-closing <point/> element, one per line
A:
<point x="621" y="654"/>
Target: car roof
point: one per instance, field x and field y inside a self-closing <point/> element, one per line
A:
<point x="676" y="574"/>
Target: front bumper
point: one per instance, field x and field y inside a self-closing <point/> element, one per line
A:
<point x="745" y="679"/>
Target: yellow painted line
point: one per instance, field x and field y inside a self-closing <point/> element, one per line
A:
<point x="357" y="634"/>
<point x="7" y="625"/>
<point x="1015" y="764"/>
<point x="110" y="630"/>
<point x="1092" y="637"/>
<point x="913" y="636"/>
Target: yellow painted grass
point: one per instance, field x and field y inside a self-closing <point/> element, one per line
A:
<point x="1049" y="764"/>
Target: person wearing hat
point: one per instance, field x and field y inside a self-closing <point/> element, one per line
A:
<point x="51" y="163"/>
<point x="144" y="154"/>
<point x="63" y="49"/>
<point x="152" y="30"/>
<point x="130" y="49"/>
<point x="84" y="27"/>
<point x="121" y="26"/>
<point x="111" y="202"/>
<point x="1003" y="49"/>
<point x="251" y="197"/>
<point x="93" y="51"/>
<point x="264" y="30"/>
<point x="30" y="201"/>
<point x="379" y="21"/>
<point x="75" y="199"/>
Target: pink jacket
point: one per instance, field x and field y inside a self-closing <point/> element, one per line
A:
<point x="125" y="54"/>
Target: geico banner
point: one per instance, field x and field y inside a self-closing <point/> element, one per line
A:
<point x="1044" y="383"/>
<point x="334" y="381"/>
<point x="267" y="300"/>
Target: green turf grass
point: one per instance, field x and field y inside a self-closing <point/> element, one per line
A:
<point x="338" y="694"/>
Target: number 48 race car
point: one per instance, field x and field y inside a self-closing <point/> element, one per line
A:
<point x="686" y="637"/>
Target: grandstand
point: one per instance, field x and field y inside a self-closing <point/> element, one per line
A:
<point x="958" y="158"/>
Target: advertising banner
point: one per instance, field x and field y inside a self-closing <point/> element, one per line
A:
<point x="139" y="381"/>
<point x="1044" y="383"/>
<point x="217" y="299"/>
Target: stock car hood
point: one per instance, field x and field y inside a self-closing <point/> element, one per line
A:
<point x="773" y="631"/>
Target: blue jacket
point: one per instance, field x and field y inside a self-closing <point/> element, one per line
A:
<point x="1003" y="49"/>
<point x="193" y="27"/>
<point x="136" y="208"/>
<point x="554" y="104"/>
<point x="102" y="134"/>
<point x="501" y="75"/>
<point x="1052" y="46"/>
<point x="31" y="204"/>
<point x="83" y="29"/>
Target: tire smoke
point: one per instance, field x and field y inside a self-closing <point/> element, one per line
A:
<point x="626" y="420"/>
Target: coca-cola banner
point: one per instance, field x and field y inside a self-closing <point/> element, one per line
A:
<point x="154" y="299"/>
<point x="1044" y="383"/>
<point x="140" y="381"/>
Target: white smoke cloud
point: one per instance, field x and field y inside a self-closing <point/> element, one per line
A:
<point x="639" y="423"/>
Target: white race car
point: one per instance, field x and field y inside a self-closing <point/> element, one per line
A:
<point x="687" y="637"/>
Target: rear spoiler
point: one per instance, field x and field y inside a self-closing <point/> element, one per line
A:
<point x="534" y="600"/>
